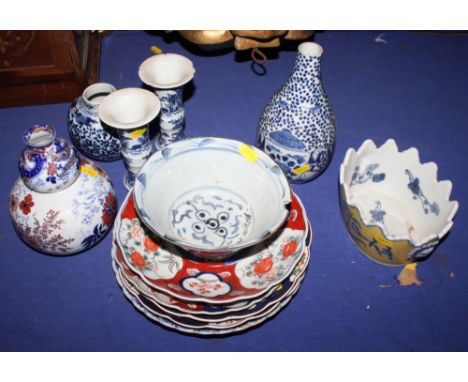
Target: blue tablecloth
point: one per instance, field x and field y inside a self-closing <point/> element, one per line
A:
<point x="412" y="87"/>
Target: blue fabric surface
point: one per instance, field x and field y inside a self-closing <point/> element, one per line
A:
<point x="414" y="88"/>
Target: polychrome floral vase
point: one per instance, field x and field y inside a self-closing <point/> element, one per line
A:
<point x="61" y="204"/>
<point x="297" y="127"/>
<point x="86" y="131"/>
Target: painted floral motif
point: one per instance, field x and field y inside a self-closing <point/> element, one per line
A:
<point x="46" y="234"/>
<point x="290" y="248"/>
<point x="138" y="260"/>
<point x="98" y="232"/>
<point x="109" y="209"/>
<point x="377" y="214"/>
<point x="206" y="284"/>
<point x="415" y="188"/>
<point x="263" y="266"/>
<point x="14" y="203"/>
<point x="26" y="204"/>
<point x="367" y="174"/>
<point x="150" y="245"/>
<point x="212" y="220"/>
<point x="87" y="133"/>
<point x="271" y="264"/>
<point x="355" y="231"/>
<point x="144" y="254"/>
<point x="94" y="200"/>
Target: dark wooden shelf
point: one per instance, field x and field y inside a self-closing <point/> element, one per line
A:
<point x="41" y="67"/>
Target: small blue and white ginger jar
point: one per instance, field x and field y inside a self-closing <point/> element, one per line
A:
<point x="86" y="131"/>
<point x="298" y="126"/>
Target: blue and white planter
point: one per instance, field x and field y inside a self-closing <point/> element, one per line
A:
<point x="86" y="131"/>
<point x="297" y="127"/>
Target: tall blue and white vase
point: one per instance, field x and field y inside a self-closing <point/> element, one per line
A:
<point x="167" y="74"/>
<point x="130" y="111"/>
<point x="298" y="126"/>
<point x="86" y="131"/>
<point x="172" y="118"/>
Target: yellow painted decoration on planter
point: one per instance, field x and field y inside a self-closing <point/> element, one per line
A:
<point x="88" y="171"/>
<point x="371" y="240"/>
<point x="302" y="169"/>
<point x="248" y="153"/>
<point x="138" y="133"/>
<point x="382" y="240"/>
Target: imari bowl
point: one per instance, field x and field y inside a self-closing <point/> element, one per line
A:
<point x="166" y="268"/>
<point x="212" y="196"/>
<point x="394" y="209"/>
<point x="203" y="311"/>
<point x="200" y="319"/>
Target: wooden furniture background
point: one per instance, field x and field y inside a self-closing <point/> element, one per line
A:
<point x="40" y="67"/>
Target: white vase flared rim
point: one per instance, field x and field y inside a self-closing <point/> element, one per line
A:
<point x="166" y="71"/>
<point x="310" y="49"/>
<point x="97" y="88"/>
<point x="129" y="108"/>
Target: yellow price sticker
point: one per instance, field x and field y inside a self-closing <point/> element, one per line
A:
<point x="155" y="49"/>
<point x="138" y="133"/>
<point x="88" y="171"/>
<point x="248" y="153"/>
<point x="302" y="169"/>
<point x="411" y="266"/>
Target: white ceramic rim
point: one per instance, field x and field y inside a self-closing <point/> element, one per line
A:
<point x="146" y="65"/>
<point x="169" y="324"/>
<point x="96" y="88"/>
<point x="152" y="108"/>
<point x="180" y="147"/>
<point x="369" y="143"/>
<point x="193" y="314"/>
<point x="260" y="292"/>
<point x="209" y="324"/>
<point x="310" y="49"/>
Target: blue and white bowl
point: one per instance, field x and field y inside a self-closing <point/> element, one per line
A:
<point x="394" y="208"/>
<point x="212" y="196"/>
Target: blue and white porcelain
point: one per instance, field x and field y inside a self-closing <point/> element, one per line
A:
<point x="393" y="206"/>
<point x="47" y="164"/>
<point x="67" y="220"/>
<point x="167" y="74"/>
<point x="297" y="126"/>
<point x="130" y="111"/>
<point x="212" y="196"/>
<point x="86" y="131"/>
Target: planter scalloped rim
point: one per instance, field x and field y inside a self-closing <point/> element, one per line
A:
<point x="394" y="208"/>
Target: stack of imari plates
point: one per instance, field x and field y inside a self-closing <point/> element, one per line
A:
<point x="189" y="295"/>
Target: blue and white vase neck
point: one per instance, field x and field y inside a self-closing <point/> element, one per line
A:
<point x="297" y="127"/>
<point x="47" y="164"/>
<point x="307" y="71"/>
